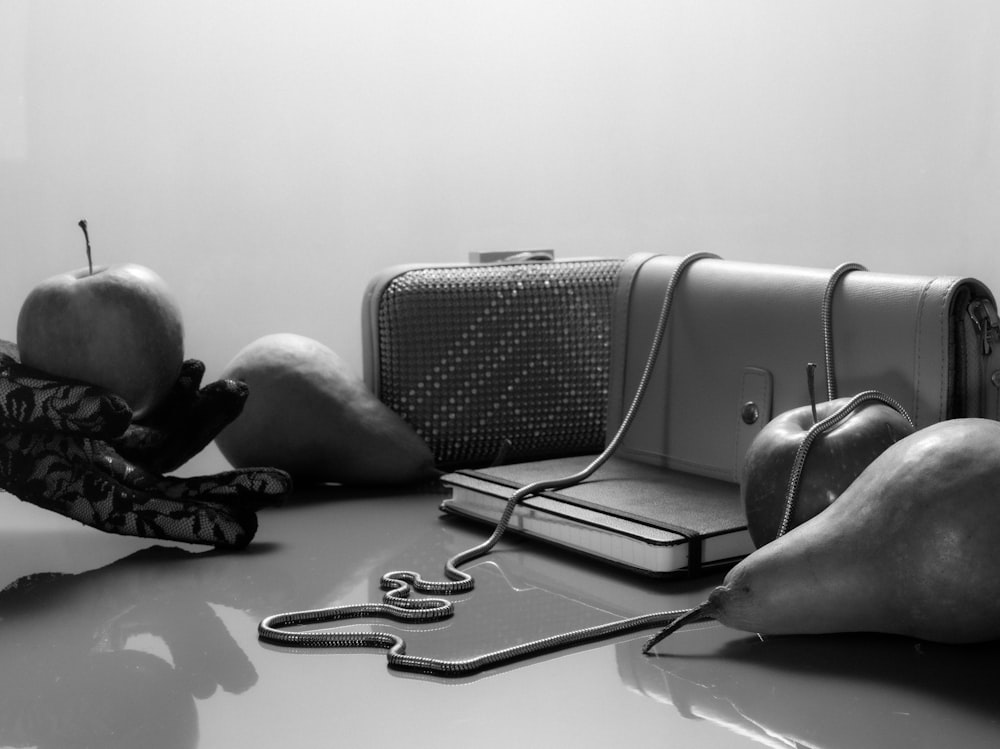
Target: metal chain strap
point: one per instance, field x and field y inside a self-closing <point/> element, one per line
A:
<point x="826" y="319"/>
<point x="821" y="427"/>
<point x="398" y="605"/>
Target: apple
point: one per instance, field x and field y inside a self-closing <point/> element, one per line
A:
<point x="835" y="458"/>
<point x="118" y="327"/>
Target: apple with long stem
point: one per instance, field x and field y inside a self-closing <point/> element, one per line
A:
<point x="805" y="458"/>
<point x="82" y="223"/>
<point x="118" y="327"/>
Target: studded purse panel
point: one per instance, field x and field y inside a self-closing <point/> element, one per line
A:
<point x="494" y="363"/>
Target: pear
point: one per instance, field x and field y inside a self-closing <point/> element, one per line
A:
<point x="910" y="548"/>
<point x="309" y="414"/>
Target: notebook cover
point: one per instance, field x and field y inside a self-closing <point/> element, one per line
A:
<point x="684" y="503"/>
<point x="620" y="495"/>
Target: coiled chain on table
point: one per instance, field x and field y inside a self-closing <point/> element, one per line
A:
<point x="270" y="630"/>
<point x="397" y="604"/>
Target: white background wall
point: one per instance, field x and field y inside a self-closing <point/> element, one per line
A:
<point x="268" y="158"/>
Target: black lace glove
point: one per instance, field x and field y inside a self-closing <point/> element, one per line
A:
<point x="189" y="417"/>
<point x="73" y="449"/>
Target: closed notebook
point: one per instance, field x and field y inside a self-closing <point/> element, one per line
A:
<point x="645" y="518"/>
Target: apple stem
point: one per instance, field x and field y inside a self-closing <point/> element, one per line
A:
<point x="811" y="380"/>
<point x="90" y="263"/>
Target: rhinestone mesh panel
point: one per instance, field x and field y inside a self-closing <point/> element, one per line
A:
<point x="491" y="362"/>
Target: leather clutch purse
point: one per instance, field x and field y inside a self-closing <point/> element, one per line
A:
<point x="740" y="336"/>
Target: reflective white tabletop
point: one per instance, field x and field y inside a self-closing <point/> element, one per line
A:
<point x="108" y="641"/>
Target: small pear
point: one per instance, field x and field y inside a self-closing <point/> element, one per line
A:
<point x="309" y="414"/>
<point x="910" y="548"/>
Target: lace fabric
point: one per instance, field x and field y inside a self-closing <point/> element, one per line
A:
<point x="72" y="448"/>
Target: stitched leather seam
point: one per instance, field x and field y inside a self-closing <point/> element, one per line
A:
<point x="942" y="319"/>
<point x="621" y="313"/>
<point x="944" y="328"/>
<point x="917" y="353"/>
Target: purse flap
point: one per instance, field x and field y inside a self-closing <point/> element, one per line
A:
<point x="739" y="325"/>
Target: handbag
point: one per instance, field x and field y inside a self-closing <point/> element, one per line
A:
<point x="740" y="336"/>
<point x="493" y="362"/>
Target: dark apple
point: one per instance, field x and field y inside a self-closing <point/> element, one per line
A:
<point x="835" y="458"/>
<point x="118" y="327"/>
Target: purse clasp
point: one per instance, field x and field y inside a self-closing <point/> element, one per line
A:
<point x="984" y="317"/>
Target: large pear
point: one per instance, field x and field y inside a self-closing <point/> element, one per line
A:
<point x="309" y="414"/>
<point x="912" y="547"/>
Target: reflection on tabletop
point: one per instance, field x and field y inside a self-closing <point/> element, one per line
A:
<point x="69" y="639"/>
<point x="825" y="691"/>
<point x="121" y="641"/>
